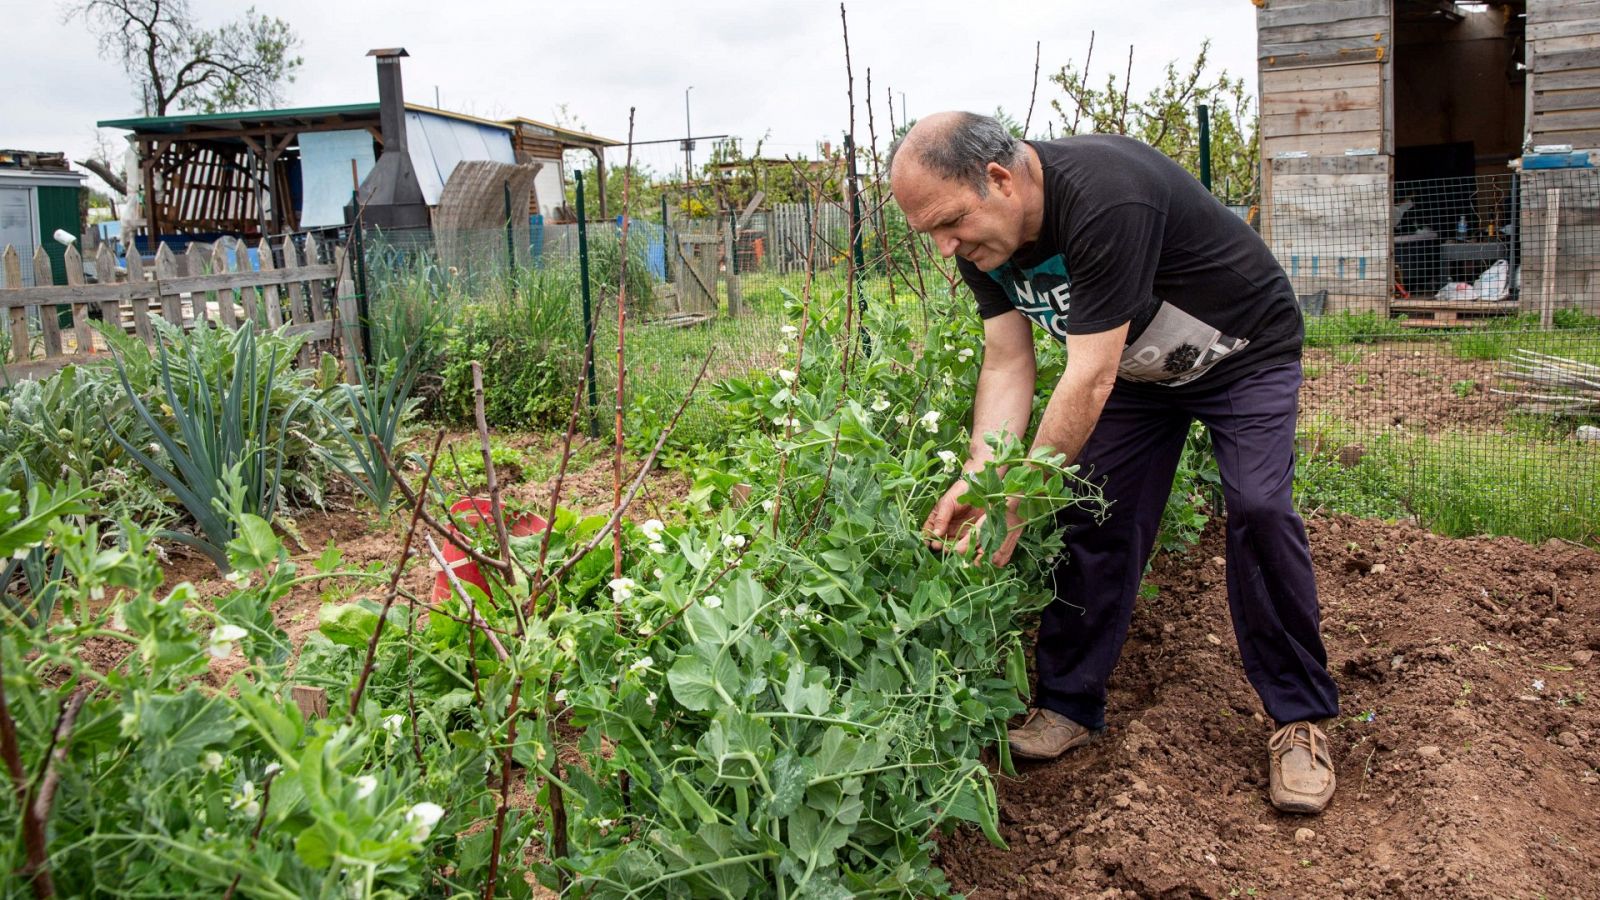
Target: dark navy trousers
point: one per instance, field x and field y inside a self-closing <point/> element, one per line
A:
<point x="1272" y="593"/>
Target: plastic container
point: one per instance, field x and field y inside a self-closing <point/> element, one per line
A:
<point x="473" y="511"/>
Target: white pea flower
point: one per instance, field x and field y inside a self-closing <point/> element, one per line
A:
<point x="949" y="459"/>
<point x="211" y="761"/>
<point x="97" y="593"/>
<point x="766" y="506"/>
<point x="605" y="823"/>
<point x="621" y="589"/>
<point x="801" y="609"/>
<point x="711" y="601"/>
<point x="903" y="418"/>
<point x="965" y="354"/>
<point x="392" y="723"/>
<point x="660" y="575"/>
<point x="786" y="376"/>
<point x="223" y="638"/>
<point x="246" y="800"/>
<point x="733" y="541"/>
<point x="119" y="622"/>
<point x="788" y="331"/>
<point x="233" y="577"/>
<point x="561" y="695"/>
<point x="652" y="529"/>
<point x="365" y="785"/>
<point x="790" y="421"/>
<point x="785" y="349"/>
<point x="657" y="547"/>
<point x="930" y="421"/>
<point x="423" y="817"/>
<point x="650" y="700"/>
<point x="949" y="346"/>
<point x="880" y="403"/>
<point x="948" y="379"/>
<point x="644" y="662"/>
<point x="271" y="770"/>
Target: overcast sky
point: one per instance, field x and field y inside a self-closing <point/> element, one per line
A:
<point x="758" y="68"/>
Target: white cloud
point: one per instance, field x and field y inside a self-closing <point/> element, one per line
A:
<point x="772" y="69"/>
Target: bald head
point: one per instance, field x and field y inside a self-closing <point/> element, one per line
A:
<point x="958" y="146"/>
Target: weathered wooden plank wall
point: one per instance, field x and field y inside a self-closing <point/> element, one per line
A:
<point x="1327" y="146"/>
<point x="1564" y="58"/>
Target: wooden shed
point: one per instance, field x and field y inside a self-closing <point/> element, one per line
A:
<point x="1395" y="136"/>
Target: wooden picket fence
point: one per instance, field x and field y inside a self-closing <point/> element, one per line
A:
<point x="301" y="296"/>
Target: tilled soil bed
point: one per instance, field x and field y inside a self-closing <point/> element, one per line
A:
<point x="1411" y="388"/>
<point x="1467" y="749"/>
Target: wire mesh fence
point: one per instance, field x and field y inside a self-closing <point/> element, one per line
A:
<point x="1453" y="345"/>
<point x="1452" y="362"/>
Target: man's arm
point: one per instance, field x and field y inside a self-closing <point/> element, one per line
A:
<point x="1004" y="400"/>
<point x="1075" y="405"/>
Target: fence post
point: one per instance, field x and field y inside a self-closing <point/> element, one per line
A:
<point x="1205" y="145"/>
<point x="588" y="320"/>
<point x="857" y="255"/>
<point x="666" y="255"/>
<point x="511" y="246"/>
<point x="357" y="245"/>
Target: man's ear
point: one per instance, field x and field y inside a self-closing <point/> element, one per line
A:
<point x="1000" y="179"/>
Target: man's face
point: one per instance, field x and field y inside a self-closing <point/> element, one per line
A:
<point x="984" y="230"/>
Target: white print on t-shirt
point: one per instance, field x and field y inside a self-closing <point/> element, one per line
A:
<point x="1175" y="348"/>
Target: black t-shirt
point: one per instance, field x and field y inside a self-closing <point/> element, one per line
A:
<point x="1129" y="236"/>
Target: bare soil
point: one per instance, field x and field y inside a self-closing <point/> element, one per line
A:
<point x="1404" y="387"/>
<point x="1467" y="749"/>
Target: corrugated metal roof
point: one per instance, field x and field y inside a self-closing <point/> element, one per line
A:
<point x="246" y="118"/>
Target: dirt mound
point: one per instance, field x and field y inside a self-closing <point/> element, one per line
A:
<point x="1467" y="750"/>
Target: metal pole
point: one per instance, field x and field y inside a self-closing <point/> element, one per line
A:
<point x="511" y="247"/>
<point x="588" y="320"/>
<point x="358" y="266"/>
<point x="733" y="244"/>
<point x="666" y="255"/>
<point x="1205" y="145"/>
<point x="688" y="139"/>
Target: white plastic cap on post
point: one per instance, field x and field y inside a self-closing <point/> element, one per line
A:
<point x="64" y="238"/>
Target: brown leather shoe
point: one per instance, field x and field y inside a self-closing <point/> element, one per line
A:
<point x="1301" y="769"/>
<point x="1046" y="734"/>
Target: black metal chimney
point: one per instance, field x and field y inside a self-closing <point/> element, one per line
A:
<point x="390" y="196"/>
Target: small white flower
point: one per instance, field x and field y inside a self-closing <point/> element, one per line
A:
<point x="903" y="418"/>
<point x="119" y="621"/>
<point x="392" y="723"/>
<point x="652" y="529"/>
<point x="949" y="346"/>
<point x="233" y="577"/>
<point x="1538" y="685"/>
<point x="950" y="460"/>
<point x="245" y="797"/>
<point x="211" y="761"/>
<point x="965" y="354"/>
<point x="657" y="547"/>
<point x="365" y="785"/>
<point x="223" y="638"/>
<point x="605" y="823"/>
<point x="561" y="695"/>
<point x="650" y="700"/>
<point x="786" y="376"/>
<point x="660" y="575"/>
<point x="621" y="588"/>
<point x="880" y="403"/>
<point x="766" y="506"/>
<point x="711" y="601"/>
<point x="98" y="592"/>
<point x="801" y="609"/>
<point x="644" y="662"/>
<point x="930" y="421"/>
<point x="423" y="817"/>
<point x="252" y="809"/>
<point x="948" y="379"/>
<point x="789" y="331"/>
<point x="733" y="541"/>
<point x="271" y="770"/>
<point x="785" y="349"/>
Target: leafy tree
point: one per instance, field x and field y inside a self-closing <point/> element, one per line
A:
<point x="177" y="64"/>
<point x="1166" y="119"/>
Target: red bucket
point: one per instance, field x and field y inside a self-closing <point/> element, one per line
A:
<point x="470" y="512"/>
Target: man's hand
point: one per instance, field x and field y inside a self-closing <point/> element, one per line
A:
<point x="1002" y="554"/>
<point x="951" y="519"/>
<point x="955" y="523"/>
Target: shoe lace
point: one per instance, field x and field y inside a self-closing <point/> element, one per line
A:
<point x="1304" y="735"/>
